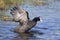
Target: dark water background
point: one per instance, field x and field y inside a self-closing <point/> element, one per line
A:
<point x="48" y="29"/>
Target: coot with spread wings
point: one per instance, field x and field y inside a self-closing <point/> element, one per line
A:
<point x="22" y="16"/>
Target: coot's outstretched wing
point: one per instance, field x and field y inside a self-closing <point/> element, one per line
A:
<point x="19" y="14"/>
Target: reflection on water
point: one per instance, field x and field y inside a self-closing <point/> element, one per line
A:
<point x="48" y="29"/>
<point x="23" y="36"/>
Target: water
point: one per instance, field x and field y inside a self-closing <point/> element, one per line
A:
<point x="48" y="29"/>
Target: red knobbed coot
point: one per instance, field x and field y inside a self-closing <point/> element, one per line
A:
<point x="25" y="24"/>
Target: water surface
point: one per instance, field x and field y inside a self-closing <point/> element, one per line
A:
<point x="48" y="29"/>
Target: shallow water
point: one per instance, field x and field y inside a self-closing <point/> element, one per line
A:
<point x="48" y="29"/>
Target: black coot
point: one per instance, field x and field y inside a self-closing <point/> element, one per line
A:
<point x="25" y="24"/>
